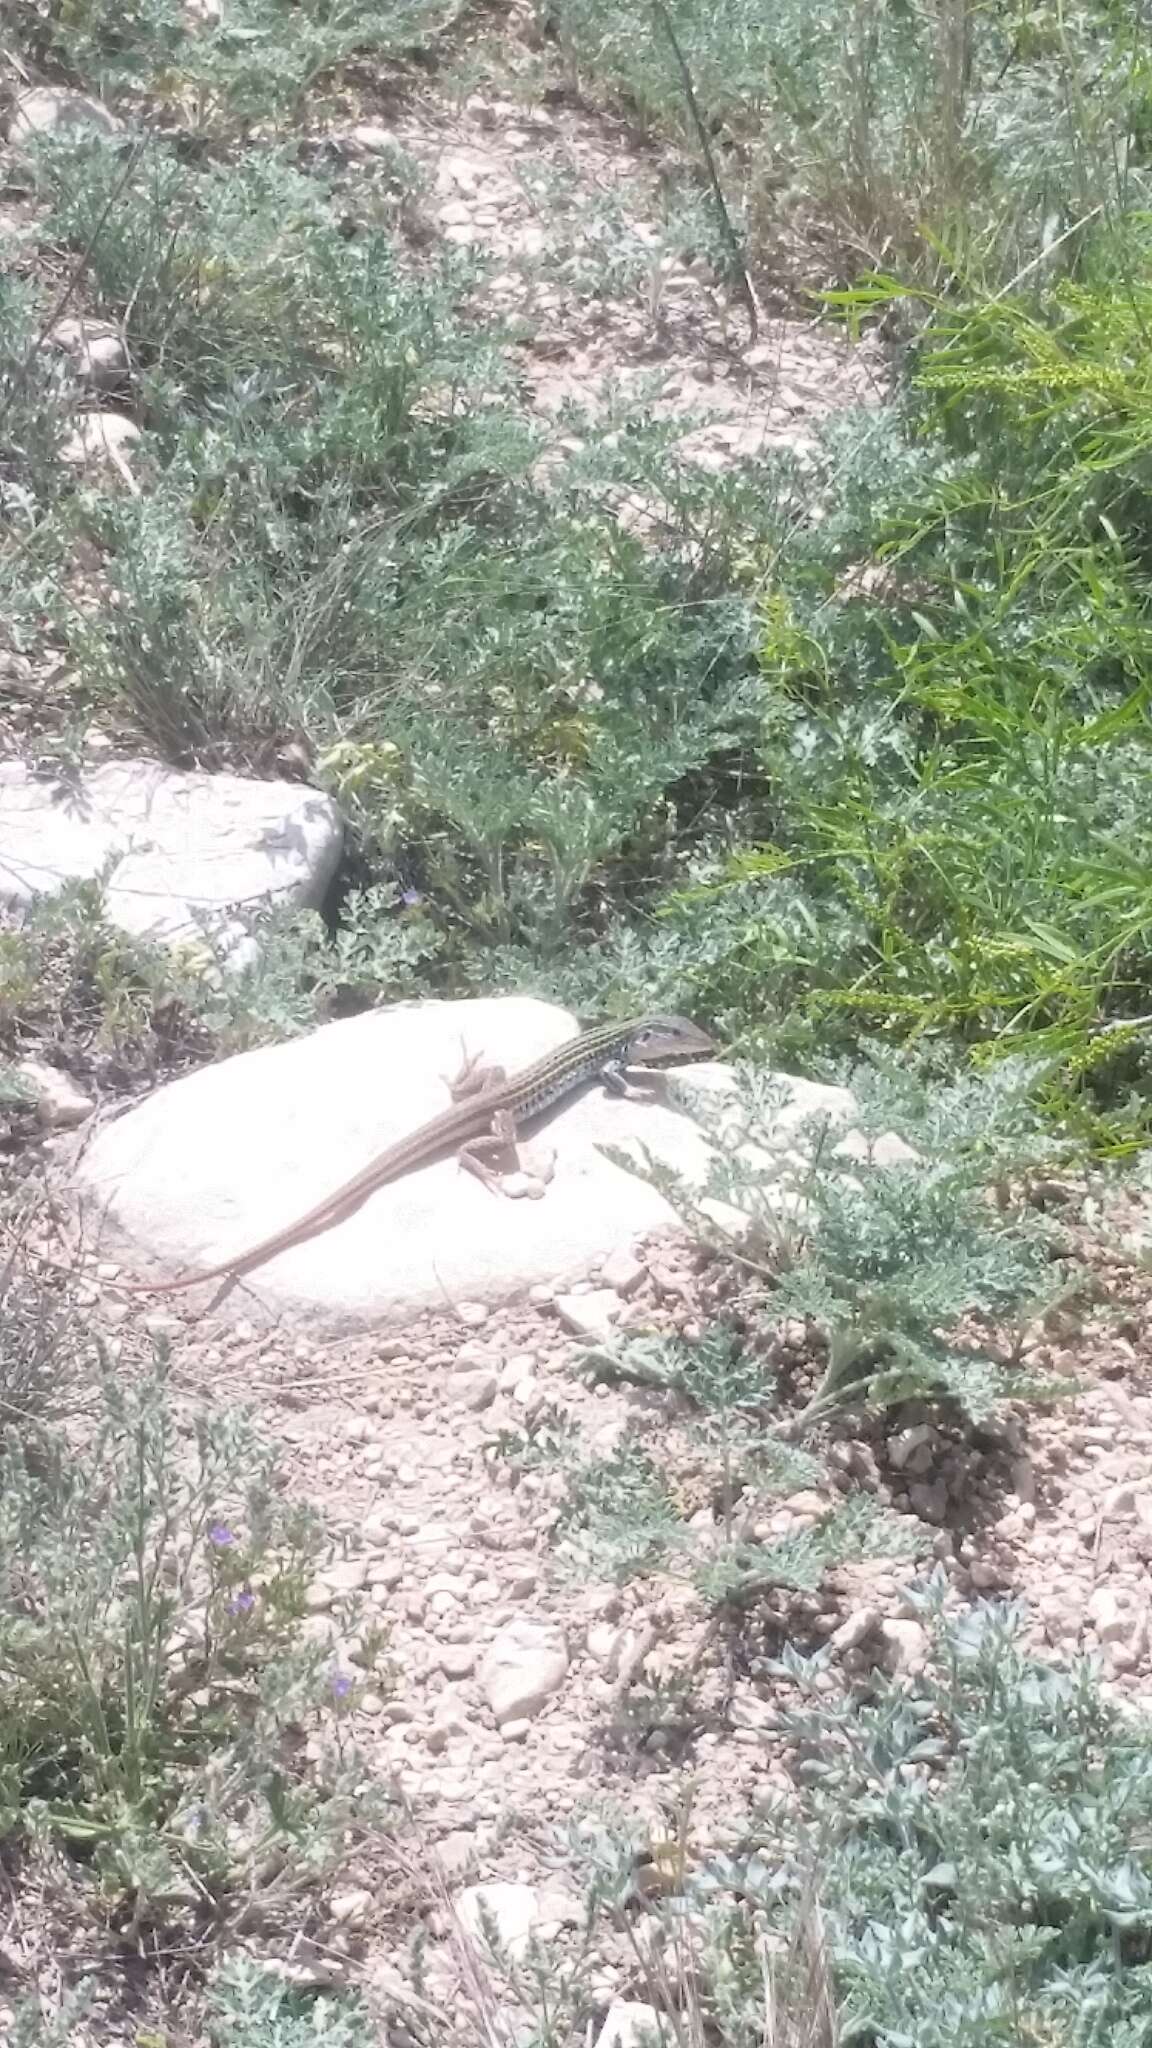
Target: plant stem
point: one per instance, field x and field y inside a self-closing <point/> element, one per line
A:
<point x="743" y="281"/>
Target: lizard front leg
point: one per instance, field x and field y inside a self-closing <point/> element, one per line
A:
<point x="616" y="1082"/>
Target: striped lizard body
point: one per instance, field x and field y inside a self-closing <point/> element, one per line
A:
<point x="493" y="1110"/>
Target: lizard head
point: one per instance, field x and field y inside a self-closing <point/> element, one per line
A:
<point x="668" y="1038"/>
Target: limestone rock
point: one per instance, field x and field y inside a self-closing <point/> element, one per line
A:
<point x="624" y="1272"/>
<point x="95" y="349"/>
<point x="525" y="1665"/>
<point x="55" y="110"/>
<point x="224" y="1157"/>
<point x="374" y="139"/>
<point x="855" y="1630"/>
<point x="589" y="1315"/>
<point x="1110" y="1613"/>
<point x="499" y="1917"/>
<point x="505" y="1918"/>
<point x="102" y="440"/>
<point x="60" y="1104"/>
<point x="631" y="2024"/>
<point x="905" y="1646"/>
<point x="175" y="847"/>
<point x="474" y="1390"/>
<point x="351" y="1908"/>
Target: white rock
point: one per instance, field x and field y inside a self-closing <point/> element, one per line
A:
<point x="501" y="1918"/>
<point x="589" y="1315"/>
<point x="623" y="1272"/>
<point x="260" y="1138"/>
<point x="714" y="1090"/>
<point x="906" y="1441"/>
<point x="474" y="1390"/>
<point x="347" y="1575"/>
<point x="161" y="1325"/>
<point x="59" y="1102"/>
<point x="855" y="1630"/>
<point x="807" y="1503"/>
<point x="603" y="1641"/>
<point x="371" y="136"/>
<point x="96" y="350"/>
<point x="103" y="439"/>
<point x="526" y="1663"/>
<point x="447" y="1582"/>
<point x="457" y="1660"/>
<point x="53" y="110"/>
<point x="905" y="1646"/>
<point x="179" y="847"/>
<point x="631" y="2024"/>
<point x="1109" y="1612"/>
<point x="350" y="1909"/>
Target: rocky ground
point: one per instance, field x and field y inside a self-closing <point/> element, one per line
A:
<point x="601" y="278"/>
<point x="506" y="1686"/>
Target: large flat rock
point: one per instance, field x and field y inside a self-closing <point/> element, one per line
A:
<point x="176" y="849"/>
<point x="213" y="1163"/>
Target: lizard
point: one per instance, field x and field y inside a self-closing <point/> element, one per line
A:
<point x="486" y="1121"/>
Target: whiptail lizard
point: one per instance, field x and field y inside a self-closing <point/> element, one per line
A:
<point x="487" y="1120"/>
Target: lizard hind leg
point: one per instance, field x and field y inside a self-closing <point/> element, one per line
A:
<point x="498" y="1145"/>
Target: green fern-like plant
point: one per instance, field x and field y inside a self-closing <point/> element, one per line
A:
<point x="906" y="1272"/>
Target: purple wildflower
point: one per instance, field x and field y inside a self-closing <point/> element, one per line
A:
<point x="242" y="1602"/>
<point x="221" y="1535"/>
<point x="411" y="899"/>
<point x="341" y="1685"/>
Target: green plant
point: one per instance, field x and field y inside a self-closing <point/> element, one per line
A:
<point x="227" y="76"/>
<point x="949" y="139"/>
<point x="986" y="1820"/>
<point x="31" y="2027"/>
<point x="959" y="1862"/>
<point x="76" y="989"/>
<point x="621" y="1515"/>
<point x="624" y="1516"/>
<point x="954" y="713"/>
<point x="340" y="542"/>
<point x="743" y="1571"/>
<point x="43" y="1339"/>
<point x="900" y="1265"/>
<point x="154" y="1661"/>
<point x="249" y="2007"/>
